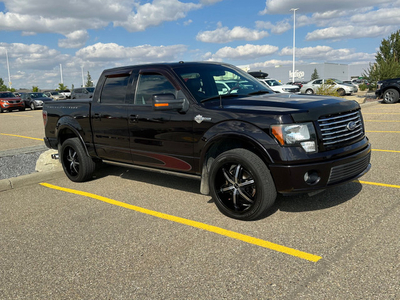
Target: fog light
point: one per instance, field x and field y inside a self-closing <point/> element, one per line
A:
<point x="311" y="177"/>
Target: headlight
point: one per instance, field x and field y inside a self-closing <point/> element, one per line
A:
<point x="296" y="135"/>
<point x="38" y="102"/>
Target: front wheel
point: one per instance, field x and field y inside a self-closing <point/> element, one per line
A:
<point x="341" y="92"/>
<point x="390" y="96"/>
<point x="32" y="105"/>
<point x="77" y="165"/>
<point x="309" y="92"/>
<point x="241" y="185"/>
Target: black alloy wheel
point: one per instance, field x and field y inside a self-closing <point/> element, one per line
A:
<point x="77" y="165"/>
<point x="241" y="184"/>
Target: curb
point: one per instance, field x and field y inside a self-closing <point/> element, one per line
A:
<point x="29" y="179"/>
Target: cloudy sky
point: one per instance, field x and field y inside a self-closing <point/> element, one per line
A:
<point x="91" y="35"/>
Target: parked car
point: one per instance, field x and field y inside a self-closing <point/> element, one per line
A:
<point x="55" y="95"/>
<point x="66" y="93"/>
<point x="85" y="92"/>
<point x="278" y="87"/>
<point x="8" y="102"/>
<point x="298" y="83"/>
<point x="358" y="81"/>
<point x="342" y="88"/>
<point x="388" y="90"/>
<point x="35" y="100"/>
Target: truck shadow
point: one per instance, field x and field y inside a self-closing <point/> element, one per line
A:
<point x="296" y="203"/>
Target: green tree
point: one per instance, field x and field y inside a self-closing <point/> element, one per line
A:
<point x="387" y="58"/>
<point x="314" y="75"/>
<point x="89" y="81"/>
<point x="61" y="87"/>
<point x="35" y="89"/>
<point x="3" y="87"/>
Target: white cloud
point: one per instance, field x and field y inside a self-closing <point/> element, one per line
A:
<point x="243" y="52"/>
<point x="311" y="6"/>
<point x="153" y="14"/>
<point x="112" y="52"/>
<point x="328" y="54"/>
<point x="75" y="39"/>
<point x="344" y="32"/>
<point x="226" y="35"/>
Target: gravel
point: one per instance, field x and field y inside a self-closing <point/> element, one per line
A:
<point x="17" y="162"/>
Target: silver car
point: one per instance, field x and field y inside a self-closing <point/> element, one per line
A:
<point x="341" y="87"/>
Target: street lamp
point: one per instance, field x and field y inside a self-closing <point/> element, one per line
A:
<point x="294" y="39"/>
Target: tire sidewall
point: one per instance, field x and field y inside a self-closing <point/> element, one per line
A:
<point x="264" y="197"/>
<point x="86" y="165"/>
<point x="395" y="97"/>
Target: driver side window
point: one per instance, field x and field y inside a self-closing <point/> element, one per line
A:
<point x="150" y="84"/>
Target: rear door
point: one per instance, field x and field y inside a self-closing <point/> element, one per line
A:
<point x="109" y="118"/>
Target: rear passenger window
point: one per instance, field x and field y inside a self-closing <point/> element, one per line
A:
<point x="114" y="89"/>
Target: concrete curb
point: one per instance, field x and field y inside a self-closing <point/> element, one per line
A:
<point x="29" y="179"/>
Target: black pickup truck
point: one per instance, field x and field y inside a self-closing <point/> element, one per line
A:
<point x="214" y="121"/>
<point x="388" y="90"/>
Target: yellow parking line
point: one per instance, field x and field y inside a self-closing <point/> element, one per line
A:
<point x="21" y="136"/>
<point x="378" y="131"/>
<point x="394" y="151"/>
<point x="210" y="228"/>
<point x="380" y="184"/>
<point x="383" y="121"/>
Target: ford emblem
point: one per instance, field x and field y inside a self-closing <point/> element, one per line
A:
<point x="351" y="125"/>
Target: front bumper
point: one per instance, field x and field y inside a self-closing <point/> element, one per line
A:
<point x="291" y="178"/>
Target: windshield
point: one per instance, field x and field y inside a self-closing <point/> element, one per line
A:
<point x="272" y="82"/>
<point x="37" y="95"/>
<point x="7" y="95"/>
<point x="206" y="81"/>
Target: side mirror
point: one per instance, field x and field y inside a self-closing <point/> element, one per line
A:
<point x="167" y="102"/>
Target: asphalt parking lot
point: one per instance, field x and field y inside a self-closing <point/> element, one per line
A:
<point x="134" y="234"/>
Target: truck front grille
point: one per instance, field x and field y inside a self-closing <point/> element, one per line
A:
<point x="341" y="128"/>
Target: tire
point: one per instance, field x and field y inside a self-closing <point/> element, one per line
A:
<point x="241" y="185"/>
<point x="77" y="165"/>
<point x="341" y="92"/>
<point x="309" y="92"/>
<point x="32" y="106"/>
<point x="390" y="96"/>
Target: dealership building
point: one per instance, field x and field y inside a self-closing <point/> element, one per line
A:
<point x="303" y="72"/>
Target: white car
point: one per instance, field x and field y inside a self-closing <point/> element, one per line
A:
<point x="342" y="88"/>
<point x="278" y="87"/>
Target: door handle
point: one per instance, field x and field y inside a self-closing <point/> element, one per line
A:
<point x="133" y="119"/>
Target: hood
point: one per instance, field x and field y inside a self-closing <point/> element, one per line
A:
<point x="43" y="99"/>
<point x="10" y="99"/>
<point x="300" y="107"/>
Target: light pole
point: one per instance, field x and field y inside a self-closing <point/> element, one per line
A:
<point x="8" y="68"/>
<point x="294" y="40"/>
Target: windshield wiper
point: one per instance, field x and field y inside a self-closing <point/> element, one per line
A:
<point x="219" y="97"/>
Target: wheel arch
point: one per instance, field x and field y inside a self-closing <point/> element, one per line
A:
<point x="223" y="142"/>
<point x="68" y="127"/>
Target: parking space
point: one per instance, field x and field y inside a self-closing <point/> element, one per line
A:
<point x="20" y="129"/>
<point x="141" y="235"/>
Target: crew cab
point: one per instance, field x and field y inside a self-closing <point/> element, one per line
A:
<point x="246" y="145"/>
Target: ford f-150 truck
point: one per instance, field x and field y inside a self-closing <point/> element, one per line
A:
<point x="245" y="143"/>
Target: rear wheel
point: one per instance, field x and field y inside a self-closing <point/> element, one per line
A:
<point x="309" y="92"/>
<point x="341" y="92"/>
<point x="241" y="185"/>
<point x="77" y="165"/>
<point x="390" y="96"/>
